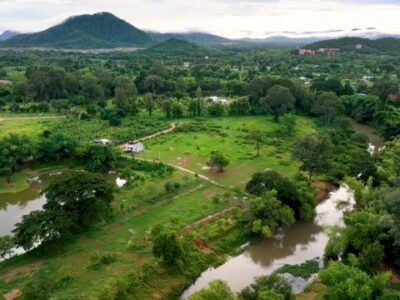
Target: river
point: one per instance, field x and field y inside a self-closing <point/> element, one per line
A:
<point x="291" y="245"/>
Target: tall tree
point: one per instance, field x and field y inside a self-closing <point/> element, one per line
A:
<point x="328" y="107"/>
<point x="313" y="151"/>
<point x="279" y="100"/>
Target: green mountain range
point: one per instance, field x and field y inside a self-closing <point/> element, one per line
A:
<point x="101" y="30"/>
<point x="362" y="45"/>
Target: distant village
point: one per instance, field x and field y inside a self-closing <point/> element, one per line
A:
<point x="304" y="51"/>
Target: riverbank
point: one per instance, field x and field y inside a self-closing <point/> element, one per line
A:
<point x="291" y="245"/>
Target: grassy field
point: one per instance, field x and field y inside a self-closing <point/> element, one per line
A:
<point x="137" y="209"/>
<point x="230" y="136"/>
<point x="29" y="127"/>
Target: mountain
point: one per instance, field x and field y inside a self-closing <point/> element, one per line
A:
<point x="7" y="35"/>
<point x="174" y="46"/>
<point x="194" y="37"/>
<point x="363" y="45"/>
<point x="101" y="30"/>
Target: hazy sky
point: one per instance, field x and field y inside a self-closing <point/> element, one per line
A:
<point x="231" y="18"/>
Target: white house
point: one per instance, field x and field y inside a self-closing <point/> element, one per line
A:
<point x="103" y="141"/>
<point x="136" y="148"/>
<point x="216" y="99"/>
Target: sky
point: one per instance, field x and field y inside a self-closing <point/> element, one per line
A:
<point x="229" y="18"/>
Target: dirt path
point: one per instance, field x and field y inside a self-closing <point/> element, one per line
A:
<point x="152" y="136"/>
<point x="205" y="220"/>
<point x="185" y="170"/>
<point x="2" y="119"/>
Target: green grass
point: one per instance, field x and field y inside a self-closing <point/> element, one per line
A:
<point x="136" y="213"/>
<point x="230" y="137"/>
<point x="32" y="128"/>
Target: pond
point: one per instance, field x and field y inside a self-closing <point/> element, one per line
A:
<point x="14" y="206"/>
<point x="291" y="245"/>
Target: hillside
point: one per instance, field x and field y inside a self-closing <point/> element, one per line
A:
<point x="194" y="37"/>
<point x="384" y="45"/>
<point x="102" y="30"/>
<point x="175" y="47"/>
<point x="7" y="35"/>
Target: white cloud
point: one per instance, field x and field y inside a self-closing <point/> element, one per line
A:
<point x="232" y="18"/>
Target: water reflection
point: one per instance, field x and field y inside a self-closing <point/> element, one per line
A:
<point x="292" y="245"/>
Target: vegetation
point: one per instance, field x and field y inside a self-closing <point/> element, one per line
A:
<point x="271" y="125"/>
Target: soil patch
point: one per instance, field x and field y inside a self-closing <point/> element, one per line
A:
<point x="323" y="189"/>
<point x="26" y="270"/>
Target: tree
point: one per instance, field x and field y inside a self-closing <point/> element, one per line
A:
<point x="268" y="213"/>
<point x="216" y="110"/>
<point x="56" y="146"/>
<point x="349" y="282"/>
<point x="199" y="97"/>
<point x="149" y="103"/>
<point x="99" y="158"/>
<point x="74" y="201"/>
<point x="15" y="150"/>
<point x="278" y="101"/>
<point x="92" y="90"/>
<point x="272" y="287"/>
<point x="239" y="107"/>
<point x="313" y="151"/>
<point x="7" y="172"/>
<point x="216" y="290"/>
<point x="177" y="109"/>
<point x="125" y="94"/>
<point x="6" y="245"/>
<point x="167" y="245"/>
<point x="218" y="162"/>
<point x="328" y="107"/>
<point x="153" y="83"/>
<point x="289" y="123"/>
<point x="258" y="138"/>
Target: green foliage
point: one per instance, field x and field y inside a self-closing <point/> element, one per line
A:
<point x="328" y="107"/>
<point x="268" y="287"/>
<point x="313" y="152"/>
<point x="100" y="259"/>
<point x="6" y="245"/>
<point x="304" y="270"/>
<point x="99" y="158"/>
<point x="296" y="193"/>
<point x="268" y="213"/>
<point x="14" y="150"/>
<point x="218" y="162"/>
<point x="56" y="147"/>
<point x="349" y="282"/>
<point x="216" y="290"/>
<point x="74" y="201"/>
<point x="278" y="101"/>
<point x="167" y="245"/>
<point x="102" y="30"/>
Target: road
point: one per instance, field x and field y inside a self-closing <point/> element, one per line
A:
<point x="151" y="136"/>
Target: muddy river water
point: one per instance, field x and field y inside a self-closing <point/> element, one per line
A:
<point x="292" y="245"/>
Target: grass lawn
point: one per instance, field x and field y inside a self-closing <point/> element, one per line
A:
<point x="31" y="128"/>
<point x="137" y="210"/>
<point x="230" y="137"/>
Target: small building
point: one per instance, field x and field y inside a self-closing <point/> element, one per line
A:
<point x="216" y="99"/>
<point x="103" y="141"/>
<point x="328" y="50"/>
<point x="359" y="46"/>
<point x="186" y="64"/>
<point x="135" y="148"/>
<point x="303" y="51"/>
